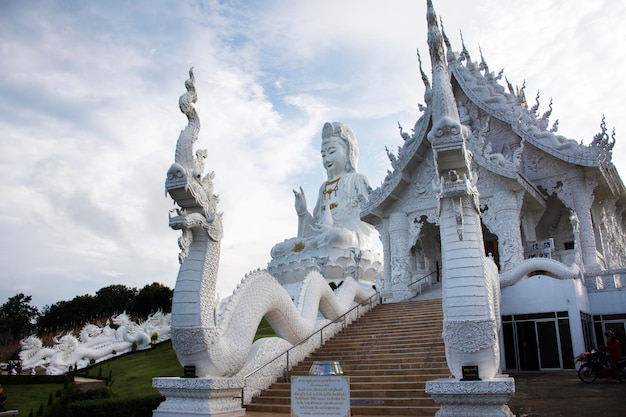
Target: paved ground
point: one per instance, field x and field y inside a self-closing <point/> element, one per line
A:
<point x="557" y="394"/>
<point x="562" y="394"/>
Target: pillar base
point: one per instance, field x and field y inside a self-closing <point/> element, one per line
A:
<point x="472" y="398"/>
<point x="198" y="397"/>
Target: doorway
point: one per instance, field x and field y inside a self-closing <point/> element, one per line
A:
<point x="540" y="342"/>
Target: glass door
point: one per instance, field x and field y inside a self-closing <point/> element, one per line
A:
<point x="548" y="341"/>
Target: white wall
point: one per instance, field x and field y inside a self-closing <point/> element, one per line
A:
<point x="542" y="294"/>
<point x="608" y="301"/>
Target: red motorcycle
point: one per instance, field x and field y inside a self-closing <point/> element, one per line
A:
<point x="595" y="364"/>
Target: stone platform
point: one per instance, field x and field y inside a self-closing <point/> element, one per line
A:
<point x="199" y="397"/>
<point x="472" y="398"/>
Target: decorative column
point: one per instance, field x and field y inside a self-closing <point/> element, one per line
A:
<point x="386" y="288"/>
<point x="529" y="221"/>
<point x="194" y="304"/>
<point x="471" y="287"/>
<point x="507" y="205"/>
<point x="577" y="194"/>
<point x="400" y="256"/>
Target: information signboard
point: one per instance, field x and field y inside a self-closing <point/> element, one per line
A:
<point x="320" y="396"/>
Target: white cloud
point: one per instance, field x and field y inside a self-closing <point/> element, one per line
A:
<point x="89" y="118"/>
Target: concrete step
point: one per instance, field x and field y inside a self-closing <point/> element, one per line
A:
<point x="389" y="354"/>
<point x="402" y="363"/>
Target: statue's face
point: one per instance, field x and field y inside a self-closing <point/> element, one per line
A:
<point x="334" y="156"/>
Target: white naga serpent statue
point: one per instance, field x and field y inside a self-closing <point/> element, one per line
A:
<point x="218" y="340"/>
<point x="95" y="344"/>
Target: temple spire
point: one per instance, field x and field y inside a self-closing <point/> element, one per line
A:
<point x="443" y="103"/>
<point x="428" y="93"/>
<point x="447" y="136"/>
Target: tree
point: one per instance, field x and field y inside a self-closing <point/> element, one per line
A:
<point x="115" y="299"/>
<point x="152" y="298"/>
<point x="68" y="314"/>
<point x="17" y="317"/>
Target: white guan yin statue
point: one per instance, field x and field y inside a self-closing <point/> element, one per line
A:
<point x="332" y="236"/>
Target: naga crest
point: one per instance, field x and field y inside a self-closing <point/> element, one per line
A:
<point x="189" y="187"/>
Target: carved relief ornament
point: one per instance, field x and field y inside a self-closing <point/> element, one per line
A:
<point x="470" y="336"/>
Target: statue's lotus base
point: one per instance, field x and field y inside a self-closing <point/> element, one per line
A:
<point x="197" y="397"/>
<point x="472" y="398"/>
<point x="334" y="264"/>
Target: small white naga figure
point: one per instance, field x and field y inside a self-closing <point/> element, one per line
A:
<point x="334" y="231"/>
<point x="94" y="344"/>
<point x="34" y="354"/>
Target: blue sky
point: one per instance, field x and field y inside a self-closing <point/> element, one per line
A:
<point x="89" y="115"/>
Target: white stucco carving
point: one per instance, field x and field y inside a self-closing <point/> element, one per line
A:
<point x="218" y="339"/>
<point x="199" y="397"/>
<point x="475" y="398"/>
<point x="470" y="279"/>
<point x="527" y="175"/>
<point x="478" y="156"/>
<point x="334" y="229"/>
<point x="95" y="344"/>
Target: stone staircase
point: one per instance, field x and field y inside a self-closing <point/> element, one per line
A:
<point x="389" y="354"/>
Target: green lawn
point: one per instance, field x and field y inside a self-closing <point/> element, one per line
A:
<point x="132" y="377"/>
<point x="131" y="373"/>
<point x="25" y="398"/>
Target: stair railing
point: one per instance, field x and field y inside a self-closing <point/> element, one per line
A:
<point x="368" y="304"/>
<point x="419" y="281"/>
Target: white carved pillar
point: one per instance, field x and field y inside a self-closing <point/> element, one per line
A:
<point x="400" y="266"/>
<point x="470" y="280"/>
<point x="383" y="233"/>
<point x="529" y="221"/>
<point x="576" y="232"/>
<point x="577" y="194"/>
<point x="507" y="205"/>
<point x="470" y="326"/>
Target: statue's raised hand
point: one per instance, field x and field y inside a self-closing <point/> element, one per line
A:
<point x="300" y="202"/>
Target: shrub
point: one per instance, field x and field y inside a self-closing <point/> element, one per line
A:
<point x="115" y="407"/>
<point x="70" y="396"/>
<point x="34" y="379"/>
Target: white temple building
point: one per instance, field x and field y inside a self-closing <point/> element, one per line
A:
<point x="541" y="195"/>
<point x="523" y="230"/>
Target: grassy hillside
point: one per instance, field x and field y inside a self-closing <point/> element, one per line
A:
<point x="131" y="375"/>
<point x="27" y="398"/>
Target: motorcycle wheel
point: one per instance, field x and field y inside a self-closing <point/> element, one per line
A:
<point x="587" y="374"/>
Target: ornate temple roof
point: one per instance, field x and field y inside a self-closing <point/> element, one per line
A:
<point x="508" y="106"/>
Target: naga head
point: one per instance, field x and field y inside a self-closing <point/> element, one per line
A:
<point x="121" y="319"/>
<point x="31" y="343"/>
<point x="67" y="343"/>
<point x="90" y="331"/>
